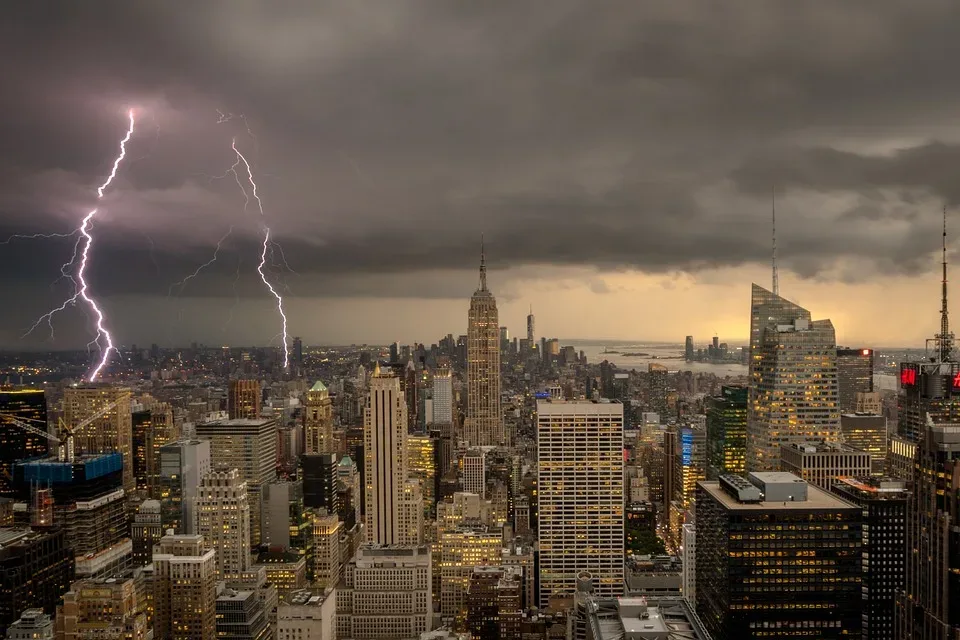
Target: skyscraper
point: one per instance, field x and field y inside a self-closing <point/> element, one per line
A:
<point x="475" y="472"/>
<point x="182" y="465"/>
<point x="111" y="431"/>
<point x="318" y="420"/>
<point x="442" y="396"/>
<point x="531" y="327"/>
<point x="793" y="379"/>
<point x="854" y="375"/>
<point x="319" y="473"/>
<point x="184" y="589"/>
<point x="36" y="568"/>
<point x="29" y="406"/>
<point x="146" y="531"/>
<point x="152" y="427"/>
<point x="223" y="519"/>
<point x="250" y="446"/>
<point x="385" y="450"/>
<point x="727" y="431"/>
<point x="927" y="610"/>
<point x="484" y="422"/>
<point x="243" y="399"/>
<point x="580" y="485"/>
<point x="763" y="566"/>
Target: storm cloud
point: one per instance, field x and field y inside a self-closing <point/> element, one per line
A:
<point x="388" y="136"/>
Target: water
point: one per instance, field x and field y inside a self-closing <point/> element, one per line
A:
<point x="668" y="355"/>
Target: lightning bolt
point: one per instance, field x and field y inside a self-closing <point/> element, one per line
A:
<point x="206" y="264"/>
<point x="266" y="238"/>
<point x="83" y="292"/>
<point x="33" y="236"/>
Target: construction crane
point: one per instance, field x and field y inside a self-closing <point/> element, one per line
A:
<point x="29" y="428"/>
<point x="66" y="453"/>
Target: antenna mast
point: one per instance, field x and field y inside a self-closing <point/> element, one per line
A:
<point x="773" y="210"/>
<point x="945" y="338"/>
<point x="483" y="267"/>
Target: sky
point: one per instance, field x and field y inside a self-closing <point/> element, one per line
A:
<point x="619" y="160"/>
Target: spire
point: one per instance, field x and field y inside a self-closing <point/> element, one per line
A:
<point x="531" y="308"/>
<point x="376" y="370"/>
<point x="945" y="338"/>
<point x="483" y="267"/>
<point x="773" y="210"/>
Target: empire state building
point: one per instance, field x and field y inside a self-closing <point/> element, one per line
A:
<point x="484" y="422"/>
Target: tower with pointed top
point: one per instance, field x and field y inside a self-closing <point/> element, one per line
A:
<point x="530" y="327"/>
<point x="945" y="339"/>
<point x="773" y="212"/>
<point x="484" y="423"/>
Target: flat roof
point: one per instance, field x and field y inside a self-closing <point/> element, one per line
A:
<point x="237" y="422"/>
<point x="816" y="498"/>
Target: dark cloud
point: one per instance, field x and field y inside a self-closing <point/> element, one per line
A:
<point x="390" y="135"/>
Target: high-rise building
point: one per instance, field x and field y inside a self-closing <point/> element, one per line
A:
<point x="297" y="352"/>
<point x="927" y="388"/>
<point x="386" y="591"/>
<point x="928" y="609"/>
<point x="16" y="443"/>
<point x="110" y="431"/>
<point x="867" y="432"/>
<point x="88" y="504"/>
<point x="351" y="484"/>
<point x="320" y="475"/>
<point x="494" y="602"/>
<point x="318" y="420"/>
<point x="443" y="396"/>
<point x="283" y="514"/>
<point x="763" y="569"/>
<point x="531" y="328"/>
<point x="327" y="551"/>
<point x="657" y="389"/>
<point x="688" y="351"/>
<point x="793" y="379"/>
<point x="244" y="399"/>
<point x="250" y="446"/>
<point x="461" y="550"/>
<point x="884" y="504"/>
<point x="484" y="421"/>
<point x="475" y="472"/>
<point x="152" y="428"/>
<point x="580" y="495"/>
<point x="223" y="519"/>
<point x="146" y="531"/>
<point x="385" y="450"/>
<point x="854" y="375"/>
<point x="241" y="616"/>
<point x="307" y="614"/>
<point x="184" y="589"/>
<point x="33" y="624"/>
<point x="727" y="431"/>
<point x="96" y="609"/>
<point x="36" y="568"/>
<point x="182" y="465"/>
<point x="823" y="464"/>
<point x="422" y="458"/>
<point x="689" y="466"/>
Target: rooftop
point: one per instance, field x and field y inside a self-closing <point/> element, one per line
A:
<point x="238" y="422"/>
<point x="816" y="498"/>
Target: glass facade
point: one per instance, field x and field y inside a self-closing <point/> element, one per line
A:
<point x="727" y="432"/>
<point x="30" y="406"/>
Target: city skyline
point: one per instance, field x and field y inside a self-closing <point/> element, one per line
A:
<point x="647" y="204"/>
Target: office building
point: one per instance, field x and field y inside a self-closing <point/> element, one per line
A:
<point x="822" y="463"/>
<point x="580" y="495"/>
<point x="928" y="608"/>
<point x="29" y="406"/>
<point x="639" y="526"/>
<point x="182" y="465"/>
<point x="484" y="422"/>
<point x="854" y="375"/>
<point x="351" y="490"/>
<point x="762" y="566"/>
<point x="308" y="614"/>
<point x="688" y="555"/>
<point x="223" y="519"/>
<point x="286" y="570"/>
<point x="320" y="475"/>
<point x="474" y="478"/>
<point x="657" y="389"/>
<point x="146" y="531"/>
<point x="900" y="458"/>
<point x="244" y="400"/>
<point x="385" y="451"/>
<point x="727" y="431"/>
<point x="152" y="427"/>
<point x="884" y="505"/>
<point x="927" y="388"/>
<point x="461" y="550"/>
<point x="33" y="624"/>
<point x="386" y="591"/>
<point x="99" y="419"/>
<point x="867" y="432"/>
<point x="88" y="503"/>
<point x="531" y="327"/>
<point x="494" y="602"/>
<point x="105" y="608"/>
<point x="793" y="380"/>
<point x="249" y="446"/>
<point x="241" y="616"/>
<point x="422" y="461"/>
<point x="327" y="550"/>
<point x="633" y="618"/>
<point x="442" y="396"/>
<point x="36" y="569"/>
<point x="184" y="589"/>
<point x="283" y="514"/>
<point x="318" y="420"/>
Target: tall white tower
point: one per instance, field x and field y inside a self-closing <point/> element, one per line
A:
<point x="385" y="451"/>
<point x="484" y="422"/>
